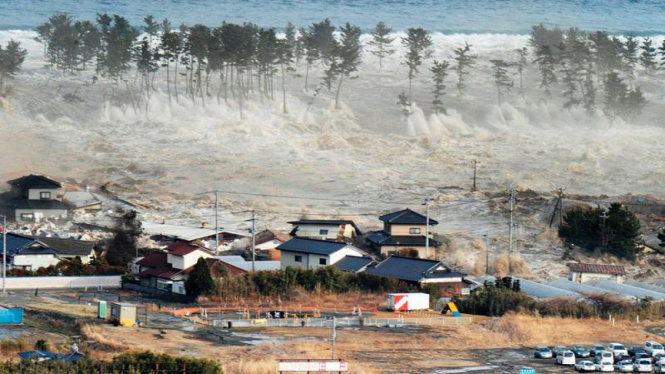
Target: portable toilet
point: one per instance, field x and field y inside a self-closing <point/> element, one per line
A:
<point x="101" y="309"/>
<point x="123" y="312"/>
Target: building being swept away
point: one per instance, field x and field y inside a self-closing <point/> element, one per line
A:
<point x="33" y="198"/>
<point x="325" y="229"/>
<point x="589" y="273"/>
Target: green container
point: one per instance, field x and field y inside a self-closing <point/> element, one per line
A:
<point x="101" y="310"/>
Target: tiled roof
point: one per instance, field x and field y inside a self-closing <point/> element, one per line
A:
<point x="154" y="260"/>
<point x="579" y="267"/>
<point x="314" y="246"/>
<point x="412" y="269"/>
<point x="35" y="181"/>
<point x="184" y="248"/>
<point x="383" y="238"/>
<point x="70" y="247"/>
<point x="352" y="263"/>
<point x="406" y="217"/>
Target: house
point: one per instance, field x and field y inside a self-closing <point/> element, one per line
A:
<point x="267" y="242"/>
<point x="404" y="230"/>
<point x="589" y="273"/>
<point x="314" y="253"/>
<point x="34" y="197"/>
<point x="338" y="230"/>
<point x="83" y="201"/>
<point x="422" y="272"/>
<point x="354" y="264"/>
<point x="32" y="253"/>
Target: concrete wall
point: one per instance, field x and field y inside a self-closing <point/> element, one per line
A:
<point x="50" y="213"/>
<point x="34" y="262"/>
<point x="389" y="250"/>
<point x="27" y="283"/>
<point x="312" y="261"/>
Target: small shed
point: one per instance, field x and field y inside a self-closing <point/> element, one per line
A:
<point x="590" y="273"/>
<point x="123" y="312"/>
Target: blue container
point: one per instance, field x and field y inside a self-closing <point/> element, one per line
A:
<point x="11" y="316"/>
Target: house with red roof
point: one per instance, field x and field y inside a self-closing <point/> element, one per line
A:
<point x="588" y="273"/>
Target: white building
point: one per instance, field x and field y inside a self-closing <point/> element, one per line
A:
<point x="32" y="253"/>
<point x="313" y="253"/>
<point x="34" y="197"/>
<point x="325" y="229"/>
<point x="590" y="273"/>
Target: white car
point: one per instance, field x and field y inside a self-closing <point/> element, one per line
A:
<point x="585" y="366"/>
<point x="659" y="368"/>
<point x="624" y="366"/>
<point x="565" y="358"/>
<point x="603" y="356"/>
<point x="643" y="366"/>
<point x="617" y="349"/>
<point x="654" y="348"/>
<point x="604" y="366"/>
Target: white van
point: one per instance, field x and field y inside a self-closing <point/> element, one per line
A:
<point x="604" y="356"/>
<point x="565" y="358"/>
<point x="654" y="348"/>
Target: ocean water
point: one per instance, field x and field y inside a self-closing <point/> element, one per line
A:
<point x="642" y="17"/>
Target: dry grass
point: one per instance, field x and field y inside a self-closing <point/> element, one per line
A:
<point x="96" y="334"/>
<point x="74" y="310"/>
<point x="518" y="266"/>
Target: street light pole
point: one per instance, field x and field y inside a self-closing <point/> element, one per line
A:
<point x="216" y="226"/>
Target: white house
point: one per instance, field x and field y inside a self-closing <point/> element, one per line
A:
<point x="34" y="197"/>
<point x="183" y="255"/>
<point x="313" y="253"/>
<point x="588" y="273"/>
<point x="32" y="253"/>
<point x="325" y="229"/>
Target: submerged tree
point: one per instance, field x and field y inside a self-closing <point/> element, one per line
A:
<point x="284" y="59"/>
<point x="615" y="95"/>
<point x="465" y="61"/>
<point x="570" y="88"/>
<point x="648" y="56"/>
<point x="502" y="82"/>
<point x="118" y="38"/>
<point x="12" y="57"/>
<point x="521" y="64"/>
<point x="547" y="63"/>
<point x="348" y="55"/>
<point x="630" y="58"/>
<point x="589" y="93"/>
<point x="418" y="45"/>
<point x="405" y="105"/>
<point x="123" y="246"/>
<point x="439" y="73"/>
<point x="381" y="41"/>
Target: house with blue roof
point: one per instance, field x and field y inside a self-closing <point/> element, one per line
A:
<point x="314" y="253"/>
<point x="34" y="252"/>
<point x="404" y="230"/>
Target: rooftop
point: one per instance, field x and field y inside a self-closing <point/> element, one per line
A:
<point x="184" y="248"/>
<point x="313" y="246"/>
<point x="154" y="260"/>
<point x="406" y="217"/>
<point x="71" y="247"/>
<point x="334" y="222"/>
<point x="412" y="269"/>
<point x="179" y="232"/>
<point x="383" y="238"/>
<point x="241" y="263"/>
<point x="35" y="181"/>
<point x="579" y="267"/>
<point x="352" y="263"/>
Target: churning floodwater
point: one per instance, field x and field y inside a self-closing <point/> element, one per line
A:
<point x="642" y="17"/>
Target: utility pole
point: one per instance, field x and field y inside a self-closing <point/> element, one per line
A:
<point x="216" y="225"/>
<point x="558" y="206"/>
<point x="487" y="254"/>
<point x="4" y="254"/>
<point x="510" y="229"/>
<point x="334" y="336"/>
<point x="253" y="230"/>
<point x="475" y="173"/>
<point x="604" y="217"/>
<point x="427" y="228"/>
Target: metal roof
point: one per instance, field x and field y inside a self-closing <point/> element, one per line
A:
<point x="646" y="286"/>
<point x="405" y="217"/>
<point x="579" y="267"/>
<point x="412" y="269"/>
<point x="580" y="288"/>
<point x="179" y="232"/>
<point x="383" y="238"/>
<point x="352" y="263"/>
<point x="72" y="247"/>
<point x="35" y="181"/>
<point x="629" y="290"/>
<point x="313" y="246"/>
<point x="241" y="263"/>
<point x="537" y="290"/>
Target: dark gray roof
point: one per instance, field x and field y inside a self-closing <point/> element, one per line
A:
<point x="314" y="246"/>
<point x="25" y="245"/>
<point x="24" y="203"/>
<point x="71" y="247"/>
<point x="35" y="181"/>
<point x="381" y="238"/>
<point x="406" y="217"/>
<point x="412" y="269"/>
<point x="326" y="222"/>
<point x="353" y="264"/>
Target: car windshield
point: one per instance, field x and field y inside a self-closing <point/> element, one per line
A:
<point x="543" y="349"/>
<point x="599" y="348"/>
<point x="568" y="354"/>
<point x="619" y="348"/>
<point x="657" y="346"/>
<point x="645" y="362"/>
<point x="579" y="348"/>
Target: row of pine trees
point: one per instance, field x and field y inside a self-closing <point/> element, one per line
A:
<point x="234" y="61"/>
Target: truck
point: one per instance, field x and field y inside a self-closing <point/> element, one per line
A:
<point x="404" y="302"/>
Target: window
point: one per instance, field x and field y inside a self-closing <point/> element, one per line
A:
<point x="27" y="216"/>
<point x="298" y="258"/>
<point x="323" y="232"/>
<point x="45" y="195"/>
<point x="323" y="261"/>
<point x="414" y="230"/>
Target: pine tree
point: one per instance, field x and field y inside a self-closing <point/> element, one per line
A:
<point x="630" y="58"/>
<point x="324" y="38"/>
<point x="521" y="64"/>
<point x="648" y="56"/>
<point x="405" y="105"/>
<point x="146" y="64"/>
<point x="299" y="51"/>
<point x="465" y="61"/>
<point x="89" y="40"/>
<point x="290" y="39"/>
<point x="151" y="28"/>
<point x="348" y="53"/>
<point x="11" y="60"/>
<point x="603" y="50"/>
<point x="199" y="281"/>
<point x="570" y="88"/>
<point x="170" y="47"/>
<point x="197" y="43"/>
<point x="541" y="36"/>
<point x="634" y="104"/>
<point x="615" y="95"/>
<point x="284" y="59"/>
<point x="662" y="55"/>
<point x="501" y="80"/>
<point x="439" y="73"/>
<point x="381" y="41"/>
<point x="547" y="63"/>
<point x="118" y="37"/>
<point x="418" y="44"/>
<point x="312" y="51"/>
<point x="589" y="93"/>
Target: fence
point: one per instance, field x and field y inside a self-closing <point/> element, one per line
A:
<point x="11" y="316"/>
<point x="91" y="281"/>
<point x="290" y="308"/>
<point x="353" y="321"/>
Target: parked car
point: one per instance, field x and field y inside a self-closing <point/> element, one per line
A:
<point x="643" y="356"/>
<point x="659" y="368"/>
<point x="654" y="348"/>
<point x="604" y="356"/>
<point x="620" y="358"/>
<point x="565" y="358"/>
<point x="542" y="352"/>
<point x="604" y="366"/>
<point x="585" y="366"/>
<point x="558" y="349"/>
<point x="617" y="349"/>
<point x="581" y="351"/>
<point x="624" y="366"/>
<point x="643" y="366"/>
<point x="597" y="348"/>
<point x="635" y="349"/>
